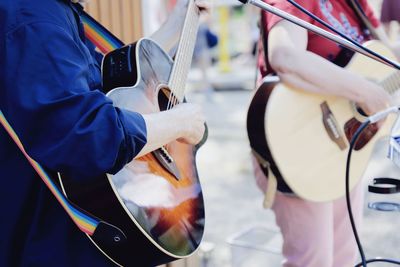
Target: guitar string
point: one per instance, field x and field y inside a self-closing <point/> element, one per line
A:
<point x="391" y="83"/>
<point x="186" y="45"/>
<point x="175" y="70"/>
<point x="190" y="48"/>
<point x="174" y="73"/>
<point x="394" y="82"/>
<point x="396" y="79"/>
<point x="179" y="58"/>
<point x="187" y="49"/>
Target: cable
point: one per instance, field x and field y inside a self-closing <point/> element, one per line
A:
<point x="348" y="202"/>
<point x="372" y="119"/>
<point x="308" y="13"/>
<point x="379" y="260"/>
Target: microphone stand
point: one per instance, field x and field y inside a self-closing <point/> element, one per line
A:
<point x="308" y="26"/>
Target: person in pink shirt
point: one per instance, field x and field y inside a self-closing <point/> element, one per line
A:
<point x="318" y="234"/>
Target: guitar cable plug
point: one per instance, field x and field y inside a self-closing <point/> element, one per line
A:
<point x="382" y="114"/>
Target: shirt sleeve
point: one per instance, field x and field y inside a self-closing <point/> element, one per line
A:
<point x="369" y="12"/>
<point x="63" y="124"/>
<point x="270" y="20"/>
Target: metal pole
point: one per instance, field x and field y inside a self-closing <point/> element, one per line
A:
<point x="319" y="31"/>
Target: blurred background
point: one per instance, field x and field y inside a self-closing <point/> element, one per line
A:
<point x="239" y="232"/>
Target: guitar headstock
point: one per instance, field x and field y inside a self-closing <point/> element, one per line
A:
<point x="201" y="5"/>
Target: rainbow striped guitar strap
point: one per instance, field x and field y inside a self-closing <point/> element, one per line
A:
<point x="105" y="41"/>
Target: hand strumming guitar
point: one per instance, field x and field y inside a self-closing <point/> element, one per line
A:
<point x="185" y="123"/>
<point x="193" y="122"/>
<point x="374" y="98"/>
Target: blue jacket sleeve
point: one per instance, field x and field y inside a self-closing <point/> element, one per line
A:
<point x="65" y="124"/>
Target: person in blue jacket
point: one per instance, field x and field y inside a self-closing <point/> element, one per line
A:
<point x="50" y="93"/>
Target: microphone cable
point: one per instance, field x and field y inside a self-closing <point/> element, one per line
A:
<point x="372" y="119"/>
<point x="344" y="36"/>
<point x="348" y="201"/>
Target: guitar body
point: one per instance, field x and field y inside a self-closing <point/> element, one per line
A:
<point x="157" y="204"/>
<point x="308" y="134"/>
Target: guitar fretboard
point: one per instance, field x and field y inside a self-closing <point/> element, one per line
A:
<point x="183" y="59"/>
<point x="392" y="83"/>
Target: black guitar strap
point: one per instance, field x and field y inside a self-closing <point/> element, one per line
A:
<point x="369" y="30"/>
<point x="264" y="40"/>
<point x="345" y="54"/>
<point x="260" y="149"/>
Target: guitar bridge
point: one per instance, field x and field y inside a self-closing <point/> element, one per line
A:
<point x="332" y="127"/>
<point x="165" y="159"/>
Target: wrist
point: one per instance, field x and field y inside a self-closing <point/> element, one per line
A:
<point x="361" y="89"/>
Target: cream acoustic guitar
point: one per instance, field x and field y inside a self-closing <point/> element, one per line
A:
<point x="307" y="135"/>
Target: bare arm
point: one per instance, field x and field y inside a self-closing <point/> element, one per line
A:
<point x="302" y="69"/>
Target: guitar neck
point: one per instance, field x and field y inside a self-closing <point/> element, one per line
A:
<point x="392" y="83"/>
<point x="183" y="58"/>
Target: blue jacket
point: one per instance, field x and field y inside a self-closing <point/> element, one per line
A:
<point x="50" y="93"/>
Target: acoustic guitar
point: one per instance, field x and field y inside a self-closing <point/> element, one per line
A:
<point x="155" y="200"/>
<point x="306" y="136"/>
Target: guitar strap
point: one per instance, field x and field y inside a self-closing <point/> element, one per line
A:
<point x="92" y="226"/>
<point x="275" y="180"/>
<point x="369" y="30"/>
<point x="96" y="33"/>
<point x="346" y="54"/>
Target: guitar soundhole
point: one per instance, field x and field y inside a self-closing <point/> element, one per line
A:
<point x="361" y="111"/>
<point x="351" y="127"/>
<point x="166" y="99"/>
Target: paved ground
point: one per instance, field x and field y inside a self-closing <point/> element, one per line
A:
<point x="233" y="203"/>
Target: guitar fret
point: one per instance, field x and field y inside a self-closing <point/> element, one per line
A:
<point x="185" y="52"/>
<point x="391" y="83"/>
<point x="185" y="62"/>
<point x="395" y="81"/>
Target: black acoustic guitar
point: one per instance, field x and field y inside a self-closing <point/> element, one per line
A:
<point x="155" y="200"/>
